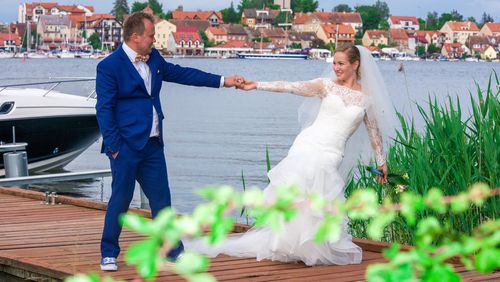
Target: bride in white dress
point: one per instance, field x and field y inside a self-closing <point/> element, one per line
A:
<point x="313" y="162"/>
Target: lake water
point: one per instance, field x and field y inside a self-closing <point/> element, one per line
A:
<point x="213" y="135"/>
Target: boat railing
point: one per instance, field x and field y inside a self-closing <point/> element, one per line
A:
<point x="55" y="83"/>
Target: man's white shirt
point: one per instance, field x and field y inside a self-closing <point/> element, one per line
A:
<point x="145" y="73"/>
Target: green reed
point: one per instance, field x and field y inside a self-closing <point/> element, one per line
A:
<point x="452" y="152"/>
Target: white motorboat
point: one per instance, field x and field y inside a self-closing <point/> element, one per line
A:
<point x="57" y="127"/>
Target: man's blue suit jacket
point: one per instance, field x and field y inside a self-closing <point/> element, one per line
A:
<point x="125" y="108"/>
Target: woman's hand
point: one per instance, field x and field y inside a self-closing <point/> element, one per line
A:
<point x="382" y="179"/>
<point x="248" y="85"/>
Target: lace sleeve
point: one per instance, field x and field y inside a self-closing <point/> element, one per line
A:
<point x="309" y="88"/>
<point x="375" y="137"/>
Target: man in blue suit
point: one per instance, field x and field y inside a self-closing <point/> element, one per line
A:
<point x="129" y="113"/>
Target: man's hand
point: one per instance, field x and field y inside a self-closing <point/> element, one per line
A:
<point x="234" y="81"/>
<point x="114" y="155"/>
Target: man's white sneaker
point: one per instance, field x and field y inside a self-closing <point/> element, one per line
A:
<point x="109" y="264"/>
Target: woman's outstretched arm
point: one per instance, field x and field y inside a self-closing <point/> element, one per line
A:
<point x="309" y="88"/>
<point x="377" y="143"/>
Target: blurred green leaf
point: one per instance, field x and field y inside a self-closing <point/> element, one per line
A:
<point x="188" y="226"/>
<point x="460" y="203"/>
<point x="253" y="197"/>
<point x="137" y="223"/>
<point x="478" y="193"/>
<point x="434" y="200"/>
<point x="392" y="251"/>
<point x="144" y="256"/>
<point x="410" y="205"/>
<point x="441" y="273"/>
<point x="427" y="230"/>
<point x="220" y="229"/>
<point x="377" y="225"/>
<point x="191" y="263"/>
<point x="330" y="229"/>
<point x="363" y="204"/>
<point x="487" y="260"/>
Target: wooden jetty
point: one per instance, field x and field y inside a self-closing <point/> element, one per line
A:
<point x="41" y="242"/>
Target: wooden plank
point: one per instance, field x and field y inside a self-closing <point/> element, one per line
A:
<point x="54" y="242"/>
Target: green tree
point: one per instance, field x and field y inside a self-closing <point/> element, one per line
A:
<point x="207" y="43"/>
<point x="432" y="48"/>
<point x="486" y="18"/>
<point x="370" y="15"/>
<point x="432" y="21"/>
<point x="420" y="51"/>
<point x="245" y="4"/>
<point x="95" y="41"/>
<point x="156" y="6"/>
<point x="421" y="24"/>
<point x="445" y="17"/>
<point x="383" y="9"/>
<point x="229" y="15"/>
<point x="138" y="6"/>
<point x="384" y="25"/>
<point x="456" y="16"/>
<point x="120" y="9"/>
<point x="342" y="8"/>
<point x="304" y="6"/>
<point x="472" y="19"/>
<point x="318" y="43"/>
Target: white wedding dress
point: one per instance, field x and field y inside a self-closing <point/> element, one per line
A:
<point x="311" y="164"/>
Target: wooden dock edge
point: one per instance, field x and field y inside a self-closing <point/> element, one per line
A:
<point x="30" y="271"/>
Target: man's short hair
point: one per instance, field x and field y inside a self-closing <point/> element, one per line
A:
<point x="135" y="23"/>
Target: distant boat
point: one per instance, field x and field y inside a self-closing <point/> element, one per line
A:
<point x="65" y="54"/>
<point x="271" y="56"/>
<point x="6" y="55"/>
<point x="37" y="55"/>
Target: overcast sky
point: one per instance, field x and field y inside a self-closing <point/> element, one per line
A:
<point x="467" y="8"/>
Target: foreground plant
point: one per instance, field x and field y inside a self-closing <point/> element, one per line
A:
<point x="427" y="261"/>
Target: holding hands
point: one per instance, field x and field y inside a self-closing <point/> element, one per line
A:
<point x="239" y="82"/>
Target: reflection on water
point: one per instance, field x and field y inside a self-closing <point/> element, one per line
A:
<point x="212" y="135"/>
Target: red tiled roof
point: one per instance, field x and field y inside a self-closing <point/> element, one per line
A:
<point x="180" y="15"/>
<point x="186" y="28"/>
<point x="342" y="28"/>
<point x="186" y="36"/>
<point x="398" y="34"/>
<point x="398" y="19"/>
<point x="57" y="40"/>
<point x="301" y="18"/>
<point x="450" y="46"/>
<point x="234" y="44"/>
<point x="45" y="5"/>
<point x="73" y="8"/>
<point x="421" y="33"/>
<point x="494" y="27"/>
<point x="462" y="26"/>
<point x="328" y="17"/>
<point x="8" y="37"/>
<point x="373" y="48"/>
<point x="376" y="34"/>
<point x="217" y="30"/>
<point x="274" y="33"/>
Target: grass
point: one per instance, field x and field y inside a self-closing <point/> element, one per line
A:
<point x="451" y="153"/>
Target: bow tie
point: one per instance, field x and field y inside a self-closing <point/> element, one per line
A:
<point x="141" y="58"/>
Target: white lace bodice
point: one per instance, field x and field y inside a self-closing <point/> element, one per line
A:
<point x="341" y="112"/>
